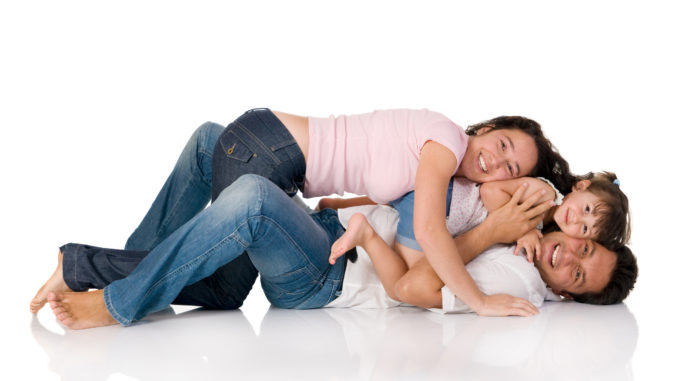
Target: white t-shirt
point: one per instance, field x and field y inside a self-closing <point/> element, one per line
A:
<point x="496" y="270"/>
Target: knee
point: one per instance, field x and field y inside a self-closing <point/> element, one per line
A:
<point x="402" y="289"/>
<point x="247" y="191"/>
<point x="206" y="135"/>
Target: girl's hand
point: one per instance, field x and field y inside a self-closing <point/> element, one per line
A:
<point x="506" y="305"/>
<point x="531" y="243"/>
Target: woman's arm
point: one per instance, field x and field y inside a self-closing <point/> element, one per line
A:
<point x="340" y="203"/>
<point x="497" y="193"/>
<point x="437" y="165"/>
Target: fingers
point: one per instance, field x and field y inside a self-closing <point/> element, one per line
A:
<point x="534" y="197"/>
<point x="519" y="246"/>
<point x="515" y="199"/>
<point x="522" y="307"/>
<point x="539" y="209"/>
<point x="529" y="252"/>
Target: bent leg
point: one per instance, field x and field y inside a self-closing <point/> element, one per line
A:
<point x="251" y="212"/>
<point x="185" y="192"/>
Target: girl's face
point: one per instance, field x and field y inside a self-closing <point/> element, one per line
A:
<point x="498" y="155"/>
<point x="575" y="215"/>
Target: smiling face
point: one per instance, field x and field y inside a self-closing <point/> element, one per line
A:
<point x="574" y="265"/>
<point x="498" y="155"/>
<point x="575" y="216"/>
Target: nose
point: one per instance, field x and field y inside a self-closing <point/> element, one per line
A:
<point x="574" y="216"/>
<point x="574" y="246"/>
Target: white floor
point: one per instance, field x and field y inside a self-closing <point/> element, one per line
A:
<point x="566" y="341"/>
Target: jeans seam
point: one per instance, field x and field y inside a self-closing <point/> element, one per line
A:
<point x="258" y="142"/>
<point x="201" y="151"/>
<point x="170" y="216"/>
<point x="192" y="262"/>
<point x="111" y="309"/>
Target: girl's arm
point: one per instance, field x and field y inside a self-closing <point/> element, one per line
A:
<point x="497" y="193"/>
<point x="437" y="165"/>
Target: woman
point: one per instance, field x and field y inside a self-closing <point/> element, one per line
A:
<point x="500" y="149"/>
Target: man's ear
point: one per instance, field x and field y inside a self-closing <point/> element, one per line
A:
<point x="564" y="294"/>
<point x="581" y="185"/>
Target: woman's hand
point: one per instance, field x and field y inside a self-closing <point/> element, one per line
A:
<point x="531" y="243"/>
<point x="506" y="305"/>
<point x="515" y="219"/>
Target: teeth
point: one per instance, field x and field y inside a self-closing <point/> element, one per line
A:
<point x="482" y="163"/>
<point x="555" y="256"/>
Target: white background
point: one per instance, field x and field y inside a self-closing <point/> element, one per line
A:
<point x="97" y="100"/>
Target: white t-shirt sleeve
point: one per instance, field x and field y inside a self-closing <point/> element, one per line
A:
<point x="499" y="272"/>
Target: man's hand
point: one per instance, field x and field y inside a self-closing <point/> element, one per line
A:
<point x="506" y="305"/>
<point x="515" y="219"/>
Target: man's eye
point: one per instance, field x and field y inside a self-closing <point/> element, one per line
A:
<point x="503" y="145"/>
<point x="577" y="275"/>
<point x="586" y="248"/>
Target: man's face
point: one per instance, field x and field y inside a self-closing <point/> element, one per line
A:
<point x="574" y="265"/>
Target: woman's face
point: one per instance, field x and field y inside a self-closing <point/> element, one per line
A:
<point x="498" y="155"/>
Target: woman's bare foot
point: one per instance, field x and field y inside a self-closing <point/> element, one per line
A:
<point x="358" y="230"/>
<point x="54" y="283"/>
<point x="80" y="310"/>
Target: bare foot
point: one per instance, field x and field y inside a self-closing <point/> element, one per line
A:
<point x="358" y="230"/>
<point x="54" y="283"/>
<point x="80" y="310"/>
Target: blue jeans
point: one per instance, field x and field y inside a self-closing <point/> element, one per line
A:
<point x="273" y="153"/>
<point x="288" y="247"/>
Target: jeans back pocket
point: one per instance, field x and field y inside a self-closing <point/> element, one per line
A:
<point x="234" y="147"/>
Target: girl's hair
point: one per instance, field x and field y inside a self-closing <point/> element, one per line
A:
<point x="550" y="164"/>
<point x="614" y="223"/>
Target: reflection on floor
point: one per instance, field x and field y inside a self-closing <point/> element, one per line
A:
<point x="565" y="342"/>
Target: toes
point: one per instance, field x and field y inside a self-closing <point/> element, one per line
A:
<point x="55" y="296"/>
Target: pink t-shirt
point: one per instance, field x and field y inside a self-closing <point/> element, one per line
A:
<point x="374" y="154"/>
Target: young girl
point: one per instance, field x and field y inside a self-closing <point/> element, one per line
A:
<point x="595" y="209"/>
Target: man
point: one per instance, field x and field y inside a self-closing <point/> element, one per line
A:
<point x="573" y="268"/>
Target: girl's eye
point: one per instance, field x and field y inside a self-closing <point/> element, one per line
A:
<point x="586" y="249"/>
<point x="587" y="209"/>
<point x="510" y="168"/>
<point x="577" y="275"/>
<point x="586" y="229"/>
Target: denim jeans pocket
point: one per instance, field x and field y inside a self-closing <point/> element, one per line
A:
<point x="234" y="147"/>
